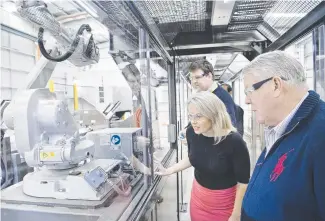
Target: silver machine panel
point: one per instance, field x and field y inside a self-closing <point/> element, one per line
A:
<point x="115" y="143"/>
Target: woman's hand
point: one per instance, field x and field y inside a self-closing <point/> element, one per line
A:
<point x="146" y="170"/>
<point x="164" y="172"/>
<point x="234" y="217"/>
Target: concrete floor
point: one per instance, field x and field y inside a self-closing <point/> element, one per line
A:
<point x="167" y="210"/>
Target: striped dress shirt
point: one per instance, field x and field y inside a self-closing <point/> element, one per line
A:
<point x="272" y="134"/>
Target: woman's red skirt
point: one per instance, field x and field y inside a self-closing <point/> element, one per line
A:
<point x="211" y="205"/>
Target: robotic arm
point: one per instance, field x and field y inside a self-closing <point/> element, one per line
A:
<point x="81" y="48"/>
<point x="48" y="135"/>
<point x="47" y="132"/>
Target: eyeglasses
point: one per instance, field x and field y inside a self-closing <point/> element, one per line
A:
<point x="197" y="77"/>
<point x="195" y="117"/>
<point x="257" y="85"/>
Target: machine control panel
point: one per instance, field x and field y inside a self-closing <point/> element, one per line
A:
<point x="115" y="143"/>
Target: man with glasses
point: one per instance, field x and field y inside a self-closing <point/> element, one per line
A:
<point x="202" y="79"/>
<point x="288" y="182"/>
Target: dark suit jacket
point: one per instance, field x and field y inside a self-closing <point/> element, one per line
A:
<point x="240" y="119"/>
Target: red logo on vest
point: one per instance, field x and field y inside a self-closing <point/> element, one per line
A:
<point x="279" y="167"/>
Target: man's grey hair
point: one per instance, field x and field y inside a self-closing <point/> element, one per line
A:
<point x="277" y="64"/>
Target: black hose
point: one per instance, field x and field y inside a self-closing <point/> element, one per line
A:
<point x="71" y="49"/>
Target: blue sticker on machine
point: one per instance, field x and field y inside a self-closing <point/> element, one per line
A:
<point x="116" y="139"/>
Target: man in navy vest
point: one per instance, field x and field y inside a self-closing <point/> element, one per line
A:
<point x="239" y="111"/>
<point x="202" y="79"/>
<point x="288" y="183"/>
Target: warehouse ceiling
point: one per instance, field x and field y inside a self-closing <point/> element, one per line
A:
<point x="217" y="29"/>
<point x="222" y="29"/>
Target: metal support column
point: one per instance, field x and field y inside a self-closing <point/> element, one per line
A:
<point x="172" y="106"/>
<point x="149" y="111"/>
<point x="172" y="134"/>
<point x="182" y="106"/>
<point x="143" y="36"/>
<point x="150" y="130"/>
<point x="319" y="60"/>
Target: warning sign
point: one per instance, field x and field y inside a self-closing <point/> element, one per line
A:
<point x="46" y="155"/>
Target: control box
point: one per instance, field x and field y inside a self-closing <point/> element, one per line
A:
<point x="115" y="143"/>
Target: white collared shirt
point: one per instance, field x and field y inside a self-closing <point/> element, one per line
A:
<point x="213" y="87"/>
<point x="272" y="134"/>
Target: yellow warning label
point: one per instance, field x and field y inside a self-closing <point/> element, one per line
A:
<point x="46" y="155"/>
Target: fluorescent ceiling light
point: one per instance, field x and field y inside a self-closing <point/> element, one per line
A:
<point x="287" y="15"/>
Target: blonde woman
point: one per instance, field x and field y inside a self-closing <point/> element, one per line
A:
<point x="220" y="158"/>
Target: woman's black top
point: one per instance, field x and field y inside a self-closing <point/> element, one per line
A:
<point x="219" y="166"/>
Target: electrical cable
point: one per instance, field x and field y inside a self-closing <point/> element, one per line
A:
<point x="71" y="49"/>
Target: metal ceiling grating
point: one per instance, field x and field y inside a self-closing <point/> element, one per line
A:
<point x="285" y="14"/>
<point x="266" y="30"/>
<point x="246" y="11"/>
<point x="271" y="18"/>
<point x="119" y="21"/>
<point x="173" y="17"/>
<point x="242" y="27"/>
<point x="143" y="8"/>
<point x="177" y="11"/>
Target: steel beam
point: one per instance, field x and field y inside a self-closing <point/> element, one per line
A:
<point x="214" y="45"/>
<point x="270" y="30"/>
<point x="17" y="32"/>
<point x="215" y="36"/>
<point x="204" y="51"/>
<point x="305" y="25"/>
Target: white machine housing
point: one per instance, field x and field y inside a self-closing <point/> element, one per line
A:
<point x="48" y="137"/>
